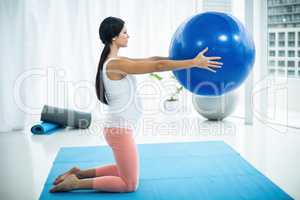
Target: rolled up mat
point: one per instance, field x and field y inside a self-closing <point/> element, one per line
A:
<point x="45" y="128"/>
<point x="66" y="117"/>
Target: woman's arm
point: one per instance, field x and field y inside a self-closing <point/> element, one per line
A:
<point x="129" y="66"/>
<point x="159" y="58"/>
<point x="153" y="58"/>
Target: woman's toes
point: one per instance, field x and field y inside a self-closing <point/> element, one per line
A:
<point x="62" y="177"/>
<point x="67" y="185"/>
<point x="57" y="181"/>
<point x="55" y="188"/>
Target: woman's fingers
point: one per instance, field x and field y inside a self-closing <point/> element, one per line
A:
<point x="209" y="69"/>
<point x="210" y="63"/>
<point x="214" y="58"/>
<point x="215" y="63"/>
<point x="203" y="51"/>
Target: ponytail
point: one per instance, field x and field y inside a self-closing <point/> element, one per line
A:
<point x="100" y="89"/>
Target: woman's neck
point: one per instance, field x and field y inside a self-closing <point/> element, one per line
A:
<point x="114" y="50"/>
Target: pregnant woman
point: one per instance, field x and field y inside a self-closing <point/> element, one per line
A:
<point x="116" y="87"/>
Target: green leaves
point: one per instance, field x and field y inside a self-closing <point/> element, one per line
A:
<point x="156" y="76"/>
<point x="174" y="95"/>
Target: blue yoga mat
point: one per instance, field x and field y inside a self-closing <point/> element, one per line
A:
<point x="44" y="128"/>
<point x="195" y="170"/>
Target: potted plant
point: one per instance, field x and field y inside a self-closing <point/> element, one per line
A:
<point x="170" y="103"/>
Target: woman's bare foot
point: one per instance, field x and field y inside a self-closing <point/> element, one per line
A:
<point x="63" y="176"/>
<point x="68" y="184"/>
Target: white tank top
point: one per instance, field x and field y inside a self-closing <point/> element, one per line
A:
<point x="124" y="108"/>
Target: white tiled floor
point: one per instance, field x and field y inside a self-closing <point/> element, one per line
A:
<point x="26" y="159"/>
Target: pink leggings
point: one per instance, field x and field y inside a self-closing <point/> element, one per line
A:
<point x="122" y="176"/>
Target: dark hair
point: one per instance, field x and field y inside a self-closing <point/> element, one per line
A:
<point x="109" y="28"/>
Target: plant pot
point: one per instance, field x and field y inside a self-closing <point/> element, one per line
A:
<point x="171" y="105"/>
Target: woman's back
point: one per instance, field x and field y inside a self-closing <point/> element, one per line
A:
<point x="124" y="105"/>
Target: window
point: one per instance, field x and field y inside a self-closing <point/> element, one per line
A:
<point x="271" y="53"/>
<point x="281" y="36"/>
<point x="281" y="72"/>
<point x="291" y="43"/>
<point x="291" y="53"/>
<point x="271" y="63"/>
<point x="281" y="43"/>
<point x="281" y="39"/>
<point x="272" y="71"/>
<point x="291" y="63"/>
<point x="291" y="36"/>
<point x="281" y="53"/>
<point x="283" y="20"/>
<point x="291" y="72"/>
<point x="281" y="63"/>
<point x="289" y="9"/>
<point x="272" y="36"/>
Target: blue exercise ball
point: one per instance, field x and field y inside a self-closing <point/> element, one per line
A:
<point x="225" y="36"/>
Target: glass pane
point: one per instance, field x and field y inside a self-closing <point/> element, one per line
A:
<point x="281" y="63"/>
<point x="271" y="53"/>
<point x="291" y="44"/>
<point x="291" y="53"/>
<point x="272" y="71"/>
<point x="291" y="63"/>
<point x="272" y="36"/>
<point x="281" y="53"/>
<point x="291" y="73"/>
<point x="284" y="36"/>
<point x="271" y="63"/>
<point x="291" y="36"/>
<point x="281" y="43"/>
<point x="283" y="33"/>
<point x="281" y="36"/>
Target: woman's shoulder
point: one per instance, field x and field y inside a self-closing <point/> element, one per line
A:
<point x="118" y="57"/>
<point x="115" y="59"/>
<point x="114" y="75"/>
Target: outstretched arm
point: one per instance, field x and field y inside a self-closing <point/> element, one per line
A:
<point x="129" y="66"/>
<point x="153" y="58"/>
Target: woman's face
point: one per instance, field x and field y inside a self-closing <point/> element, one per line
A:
<point x="122" y="39"/>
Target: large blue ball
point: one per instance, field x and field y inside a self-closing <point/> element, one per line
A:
<point x="225" y="36"/>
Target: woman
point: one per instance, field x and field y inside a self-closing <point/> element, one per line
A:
<point x="115" y="87"/>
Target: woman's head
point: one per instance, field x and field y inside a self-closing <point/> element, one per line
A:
<point x="113" y="31"/>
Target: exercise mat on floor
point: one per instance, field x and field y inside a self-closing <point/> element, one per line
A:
<point x="193" y="170"/>
<point x="66" y="117"/>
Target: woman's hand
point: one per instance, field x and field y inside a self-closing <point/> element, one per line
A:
<point x="208" y="63"/>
